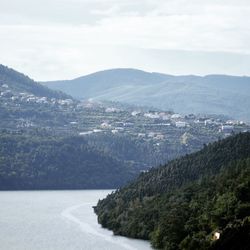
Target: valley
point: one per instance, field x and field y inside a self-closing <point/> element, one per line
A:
<point x="132" y="138"/>
<point x="124" y="125"/>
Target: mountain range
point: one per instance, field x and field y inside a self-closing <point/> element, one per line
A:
<point x="211" y="94"/>
<point x="49" y="139"/>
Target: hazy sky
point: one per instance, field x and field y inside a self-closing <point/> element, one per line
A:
<point x="63" y="39"/>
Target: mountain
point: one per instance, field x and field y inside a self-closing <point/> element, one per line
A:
<point x="138" y="136"/>
<point x="43" y="161"/>
<point x="132" y="138"/>
<point x="199" y="201"/>
<point x="18" y="82"/>
<point x="212" y="94"/>
<point x="40" y="148"/>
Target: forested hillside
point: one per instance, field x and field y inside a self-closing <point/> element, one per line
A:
<point x="133" y="138"/>
<point x="19" y="82"/>
<point x="33" y="161"/>
<point x="190" y="202"/>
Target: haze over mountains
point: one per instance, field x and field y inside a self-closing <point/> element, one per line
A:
<point x="211" y="94"/>
<point x="50" y="140"/>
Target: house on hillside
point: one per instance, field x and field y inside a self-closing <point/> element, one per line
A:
<point x="180" y="124"/>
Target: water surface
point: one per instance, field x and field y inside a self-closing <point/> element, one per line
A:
<point x="57" y="220"/>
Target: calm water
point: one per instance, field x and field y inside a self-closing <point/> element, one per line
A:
<point x="51" y="220"/>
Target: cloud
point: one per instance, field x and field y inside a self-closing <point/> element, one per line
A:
<point x="58" y="34"/>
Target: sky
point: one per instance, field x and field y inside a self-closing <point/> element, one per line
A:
<point x="64" y="39"/>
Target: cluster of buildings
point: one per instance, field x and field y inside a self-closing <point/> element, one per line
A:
<point x="15" y="96"/>
<point x="92" y="117"/>
<point x="159" y="125"/>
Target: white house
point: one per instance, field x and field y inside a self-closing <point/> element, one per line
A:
<point x="180" y="124"/>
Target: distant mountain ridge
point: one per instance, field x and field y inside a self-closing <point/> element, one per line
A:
<point x="211" y="94"/>
<point x="19" y="82"/>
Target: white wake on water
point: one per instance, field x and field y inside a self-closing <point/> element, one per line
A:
<point x="87" y="228"/>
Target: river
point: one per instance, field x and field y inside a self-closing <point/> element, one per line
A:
<point x="57" y="220"/>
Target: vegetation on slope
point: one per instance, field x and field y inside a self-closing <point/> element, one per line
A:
<point x="181" y="205"/>
<point x="212" y="94"/>
<point x="47" y="162"/>
<point x="19" y="82"/>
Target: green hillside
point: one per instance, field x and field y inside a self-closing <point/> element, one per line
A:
<point x="19" y="82"/>
<point x="133" y="138"/>
<point x="43" y="161"/>
<point x="183" y="204"/>
<point x="212" y="94"/>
